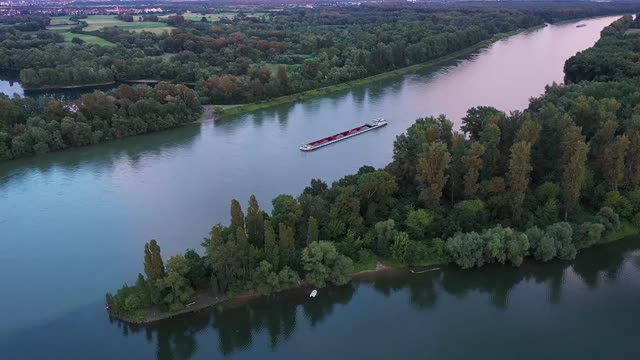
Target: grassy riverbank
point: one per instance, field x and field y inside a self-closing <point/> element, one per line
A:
<point x="244" y="108"/>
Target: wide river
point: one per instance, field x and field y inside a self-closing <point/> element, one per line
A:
<point x="73" y="225"/>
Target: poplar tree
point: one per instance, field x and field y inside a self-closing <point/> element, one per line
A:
<point x="237" y="217"/>
<point x="613" y="165"/>
<point x="255" y="223"/>
<point x="312" y="230"/>
<point x="286" y="245"/>
<point x="519" y="175"/>
<point x="457" y="165"/>
<point x="600" y="142"/>
<point x="529" y="131"/>
<point x="574" y="158"/>
<point x="633" y="155"/>
<point x="153" y="265"/>
<point x="271" y="250"/>
<point x="472" y="163"/>
<point x="432" y="169"/>
<point x="490" y="138"/>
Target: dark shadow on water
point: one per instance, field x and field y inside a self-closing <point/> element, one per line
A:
<point x="103" y="156"/>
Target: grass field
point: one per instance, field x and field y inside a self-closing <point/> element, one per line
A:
<point x="99" y="22"/>
<point x="61" y="20"/>
<point x="213" y="16"/>
<point x="89" y="39"/>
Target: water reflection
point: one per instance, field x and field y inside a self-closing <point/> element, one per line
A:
<point x="238" y="325"/>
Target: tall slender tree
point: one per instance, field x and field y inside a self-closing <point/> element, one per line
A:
<point x="237" y="217"/>
<point x="633" y="155"/>
<point x="472" y="162"/>
<point x="574" y="166"/>
<point x="312" y="230"/>
<point x="518" y="176"/>
<point x="457" y="166"/>
<point x="153" y="265"/>
<point x="287" y="247"/>
<point x="255" y="223"/>
<point x="432" y="172"/>
<point x="271" y="250"/>
<point x="613" y="166"/>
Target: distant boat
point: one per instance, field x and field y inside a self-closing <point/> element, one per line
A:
<point x="581" y="25"/>
<point x="313" y="294"/>
<point x="374" y="124"/>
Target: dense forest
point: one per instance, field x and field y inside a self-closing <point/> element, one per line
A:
<point x="31" y="126"/>
<point x="243" y="59"/>
<point x="250" y="58"/>
<point x="542" y="184"/>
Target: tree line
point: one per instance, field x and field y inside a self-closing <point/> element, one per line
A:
<point x="245" y="59"/>
<point x="30" y="126"/>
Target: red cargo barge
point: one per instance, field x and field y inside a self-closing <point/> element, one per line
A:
<point x="374" y="124"/>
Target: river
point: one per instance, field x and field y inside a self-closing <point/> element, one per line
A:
<point x="73" y="223"/>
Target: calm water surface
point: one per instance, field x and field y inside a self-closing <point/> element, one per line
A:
<point x="73" y="224"/>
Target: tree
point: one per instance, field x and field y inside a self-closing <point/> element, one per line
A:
<point x="466" y="250"/>
<point x="197" y="274"/>
<point x="237" y="217"/>
<point x="271" y="248"/>
<point x="613" y="161"/>
<point x="587" y="234"/>
<point x="153" y="265"/>
<point x="472" y="163"/>
<point x="286" y="245"/>
<point x="385" y="233"/>
<point x="266" y="281"/>
<point x="562" y="235"/>
<point x="633" y="161"/>
<point x="417" y="222"/>
<point x="179" y="292"/>
<point x="255" y="223"/>
<point x="323" y="264"/>
<point x="403" y="249"/>
<point x="312" y="230"/>
<point x="286" y="210"/>
<point x="476" y="119"/>
<point x="458" y="170"/>
<point x="518" y="176"/>
<point x="517" y="248"/>
<point x="607" y="217"/>
<point x="432" y="169"/>
<point x="490" y="138"/>
<point x="574" y="158"/>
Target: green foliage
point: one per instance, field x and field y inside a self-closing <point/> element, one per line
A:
<point x="385" y="234"/>
<point x="587" y="234"/>
<point x="178" y="291"/>
<point x="255" y="223"/>
<point x="607" y="217"/>
<point x="619" y="204"/>
<point x="153" y="265"/>
<point x="404" y="250"/>
<point x="286" y="211"/>
<point x="323" y="264"/>
<point x="418" y="222"/>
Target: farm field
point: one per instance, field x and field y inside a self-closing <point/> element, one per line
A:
<point x="89" y="39"/>
<point x="99" y="22"/>
<point x="212" y="16"/>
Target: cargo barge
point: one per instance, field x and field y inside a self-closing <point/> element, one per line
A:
<point x="373" y="124"/>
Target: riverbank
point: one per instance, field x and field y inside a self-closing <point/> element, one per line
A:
<point x="362" y="271"/>
<point x="203" y="300"/>
<point x="47" y="88"/>
<point x="228" y="110"/>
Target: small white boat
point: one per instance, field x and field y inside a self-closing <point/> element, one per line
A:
<point x="313" y="294"/>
